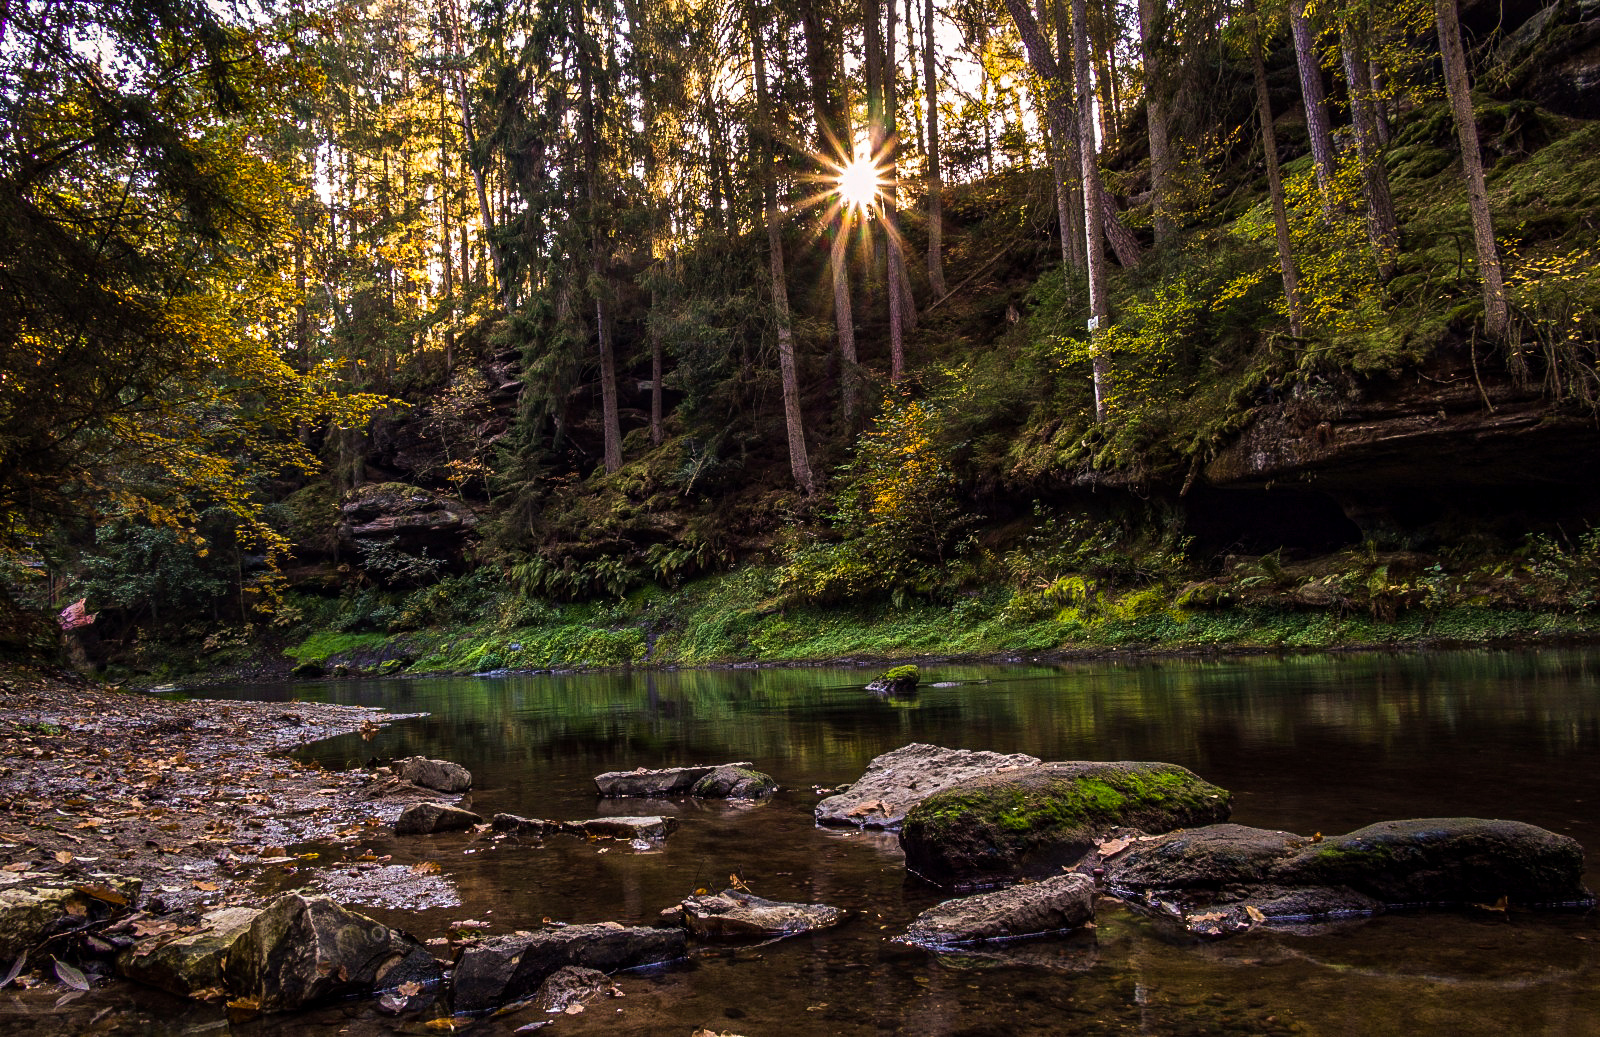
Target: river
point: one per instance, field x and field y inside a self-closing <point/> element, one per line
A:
<point x="1324" y="743"/>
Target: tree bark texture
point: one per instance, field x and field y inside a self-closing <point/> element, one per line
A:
<point x="1383" y="228"/>
<point x="1496" y="316"/>
<point x="793" y="420"/>
<point x="1305" y="56"/>
<point x="1152" y="30"/>
<point x="1287" y="267"/>
<point x="935" y="176"/>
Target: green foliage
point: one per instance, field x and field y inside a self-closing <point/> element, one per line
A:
<point x="569" y="579"/>
<point x="897" y="515"/>
<point x="391" y="565"/>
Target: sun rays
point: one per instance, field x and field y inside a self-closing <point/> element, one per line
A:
<point x="859" y="183"/>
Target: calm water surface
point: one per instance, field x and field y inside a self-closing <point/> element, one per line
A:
<point x="1326" y="743"/>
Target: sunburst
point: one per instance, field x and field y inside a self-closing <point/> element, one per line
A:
<point x="859" y="182"/>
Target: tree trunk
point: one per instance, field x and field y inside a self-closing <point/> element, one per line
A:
<point x="611" y="428"/>
<point x="898" y="284"/>
<point x="1269" y="147"/>
<point x="1495" y="316"/>
<point x="657" y="432"/>
<point x="1152" y="29"/>
<point x="469" y="138"/>
<point x="930" y="87"/>
<point x="799" y="462"/>
<point x="1093" y="214"/>
<point x="1383" y="228"/>
<point x="1065" y="126"/>
<point x="899" y="279"/>
<point x="1305" y="57"/>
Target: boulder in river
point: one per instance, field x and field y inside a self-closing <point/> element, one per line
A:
<point x="668" y="781"/>
<point x="1222" y="879"/>
<point x="536" y="827"/>
<point x="734" y="782"/>
<point x="651" y="829"/>
<point x="40" y="906"/>
<point x="426" y="818"/>
<point x="506" y="968"/>
<point x="899" y="680"/>
<point x="439" y="775"/>
<point x="897" y="781"/>
<point x="1058" y="903"/>
<point x="572" y="985"/>
<point x="302" y="951"/>
<point x="1032" y="822"/>
<point x="739" y="913"/>
<point x="188" y="964"/>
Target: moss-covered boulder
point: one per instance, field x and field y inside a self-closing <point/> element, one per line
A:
<point x="898" y="680"/>
<point x="734" y="782"/>
<point x="1004" y="826"/>
<point x="1223" y="879"/>
<point x="1453" y="860"/>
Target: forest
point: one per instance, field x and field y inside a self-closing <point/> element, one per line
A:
<point x="480" y="334"/>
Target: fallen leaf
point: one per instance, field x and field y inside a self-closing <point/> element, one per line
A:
<point x="573" y="1009"/>
<point x="71" y="995"/>
<point x="18" y="866"/>
<point x="426" y="868"/>
<point x="1255" y="914"/>
<point x="14" y="971"/>
<point x="409" y="989"/>
<point x="71" y="976"/>
<point x="440" y="1024"/>
<point x="209" y="887"/>
<point x="1112" y="847"/>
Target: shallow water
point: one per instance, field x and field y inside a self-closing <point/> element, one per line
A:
<point x="1306" y="744"/>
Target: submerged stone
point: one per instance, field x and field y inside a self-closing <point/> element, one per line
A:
<point x="667" y="781"/>
<point x="737" y="913"/>
<point x="1031" y="909"/>
<point x="426" y="818"/>
<point x="896" y="781"/>
<point x="506" y="968"/>
<point x="734" y="782"/>
<point x="1223" y="879"/>
<point x="1032" y="822"/>
<point x="653" y="828"/>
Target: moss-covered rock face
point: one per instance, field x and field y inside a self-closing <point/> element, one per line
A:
<point x="1445" y="861"/>
<point x="1033" y="822"/>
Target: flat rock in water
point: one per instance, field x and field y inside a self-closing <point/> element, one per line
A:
<point x="736" y="913"/>
<point x="1223" y="879"/>
<point x="734" y="782"/>
<point x="1000" y="827"/>
<point x="897" y="781"/>
<point x="524" y="825"/>
<point x="440" y="775"/>
<point x="30" y="913"/>
<point x="668" y="781"/>
<point x="1032" y="909"/>
<point x="425" y="818"/>
<point x="652" y="829"/>
<point x="502" y="969"/>
<point x="303" y="951"/>
<point x="188" y="964"/>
